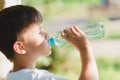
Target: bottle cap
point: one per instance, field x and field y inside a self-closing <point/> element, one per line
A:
<point x="51" y="41"/>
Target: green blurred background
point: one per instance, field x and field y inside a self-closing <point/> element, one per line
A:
<point x="65" y="61"/>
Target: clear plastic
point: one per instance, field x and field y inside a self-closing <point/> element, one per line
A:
<point x="92" y="31"/>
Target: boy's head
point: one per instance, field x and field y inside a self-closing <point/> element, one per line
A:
<point x="13" y="21"/>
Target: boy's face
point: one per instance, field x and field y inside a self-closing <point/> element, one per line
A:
<point x="35" y="41"/>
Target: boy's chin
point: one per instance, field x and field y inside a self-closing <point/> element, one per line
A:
<point x="49" y="53"/>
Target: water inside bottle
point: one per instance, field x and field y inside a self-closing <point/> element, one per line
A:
<point x="94" y="31"/>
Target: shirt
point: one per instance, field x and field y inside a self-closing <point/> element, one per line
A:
<point x="32" y="74"/>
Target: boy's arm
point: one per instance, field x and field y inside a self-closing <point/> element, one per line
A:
<point x="89" y="68"/>
<point x="77" y="38"/>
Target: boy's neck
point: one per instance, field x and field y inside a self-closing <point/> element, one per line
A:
<point x="19" y="64"/>
<point x="18" y="67"/>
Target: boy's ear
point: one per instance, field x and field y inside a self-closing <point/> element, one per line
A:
<point x="19" y="47"/>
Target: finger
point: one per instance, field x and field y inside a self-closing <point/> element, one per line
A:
<point x="67" y="32"/>
<point x="64" y="34"/>
<point x="76" y="30"/>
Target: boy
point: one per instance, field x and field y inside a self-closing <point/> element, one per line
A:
<point x="23" y="41"/>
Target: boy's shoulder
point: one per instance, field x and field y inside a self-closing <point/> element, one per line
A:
<point x="32" y="74"/>
<point x="27" y="74"/>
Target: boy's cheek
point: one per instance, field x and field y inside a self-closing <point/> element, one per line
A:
<point x="45" y="48"/>
<point x="41" y="39"/>
<point x="44" y="43"/>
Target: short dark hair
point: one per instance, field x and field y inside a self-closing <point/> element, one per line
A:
<point x="12" y="21"/>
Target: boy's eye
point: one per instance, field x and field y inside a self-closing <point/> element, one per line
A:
<point x="40" y="30"/>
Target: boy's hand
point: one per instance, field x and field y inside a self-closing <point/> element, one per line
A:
<point x="74" y="36"/>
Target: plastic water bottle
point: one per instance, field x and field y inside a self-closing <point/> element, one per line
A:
<point x="92" y="31"/>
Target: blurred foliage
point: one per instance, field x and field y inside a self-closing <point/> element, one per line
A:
<point x="109" y="69"/>
<point x="46" y="2"/>
<point x="54" y="8"/>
